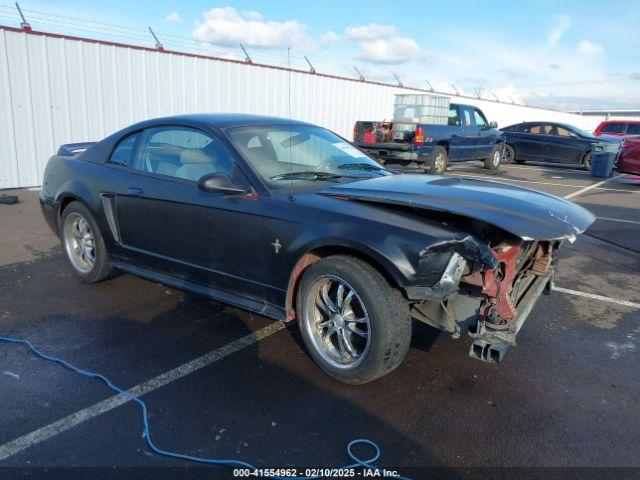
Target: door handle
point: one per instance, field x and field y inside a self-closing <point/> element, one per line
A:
<point x="134" y="192"/>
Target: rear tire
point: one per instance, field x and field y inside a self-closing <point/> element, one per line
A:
<point x="509" y="154"/>
<point x="492" y="162"/>
<point x="83" y="244"/>
<point x="356" y="326"/>
<point x="439" y="161"/>
<point x="586" y="161"/>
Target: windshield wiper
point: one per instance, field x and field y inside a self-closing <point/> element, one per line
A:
<point x="360" y="166"/>
<point x="310" y="175"/>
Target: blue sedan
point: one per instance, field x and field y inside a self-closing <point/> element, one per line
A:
<point x="548" y="142"/>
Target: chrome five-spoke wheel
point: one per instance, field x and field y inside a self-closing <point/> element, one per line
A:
<point x="337" y="323"/>
<point x="79" y="242"/>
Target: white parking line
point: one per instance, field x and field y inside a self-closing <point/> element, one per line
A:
<point x="550" y="169"/>
<point x="618" y="220"/>
<point x="486" y="177"/>
<point x="586" y="189"/>
<point x="501" y="179"/>
<point x="593" y="296"/>
<point x="45" y="433"/>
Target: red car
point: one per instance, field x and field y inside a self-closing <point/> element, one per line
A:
<point x="629" y="156"/>
<point x="618" y="128"/>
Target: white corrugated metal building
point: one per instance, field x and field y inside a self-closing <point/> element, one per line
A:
<point x="56" y="89"/>
<point x="594" y="117"/>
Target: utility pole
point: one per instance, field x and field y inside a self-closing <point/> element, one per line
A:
<point x="247" y="58"/>
<point x="359" y="73"/>
<point x="311" y="69"/>
<point x="158" y="44"/>
<point x="24" y="25"/>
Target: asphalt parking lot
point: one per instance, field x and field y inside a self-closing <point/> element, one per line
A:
<point x="567" y="396"/>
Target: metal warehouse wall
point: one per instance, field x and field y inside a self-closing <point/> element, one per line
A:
<point x="56" y="90"/>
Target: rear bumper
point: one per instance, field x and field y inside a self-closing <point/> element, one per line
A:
<point x="403" y="155"/>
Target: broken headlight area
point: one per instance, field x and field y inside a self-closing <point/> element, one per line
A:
<point x="488" y="291"/>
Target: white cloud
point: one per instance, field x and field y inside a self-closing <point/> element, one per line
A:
<point x="393" y="50"/>
<point x="379" y="44"/>
<point x="373" y="31"/>
<point x="329" y="38"/>
<point x="562" y="24"/>
<point x="173" y="17"/>
<point x="226" y="26"/>
<point x="589" y="48"/>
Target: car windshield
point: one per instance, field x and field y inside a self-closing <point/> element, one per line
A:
<point x="581" y="132"/>
<point x="296" y="154"/>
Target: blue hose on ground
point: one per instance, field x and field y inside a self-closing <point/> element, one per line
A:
<point x="358" y="462"/>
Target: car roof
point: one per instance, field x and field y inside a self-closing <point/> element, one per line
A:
<point x="219" y="120"/>
<point x="619" y="120"/>
<point x="542" y="122"/>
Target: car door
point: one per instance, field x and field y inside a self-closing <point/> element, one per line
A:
<point x="166" y="223"/>
<point x="529" y="143"/>
<point x="486" y="136"/>
<point x="562" y="145"/>
<point x="456" y="134"/>
<point x="471" y="133"/>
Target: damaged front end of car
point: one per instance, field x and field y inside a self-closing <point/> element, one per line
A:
<point x="500" y="257"/>
<point x="487" y="290"/>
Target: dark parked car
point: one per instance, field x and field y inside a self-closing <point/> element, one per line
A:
<point x="549" y="142"/>
<point x="291" y="221"/>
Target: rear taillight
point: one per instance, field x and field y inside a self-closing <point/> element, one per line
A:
<point x="418" y="138"/>
<point x="355" y="132"/>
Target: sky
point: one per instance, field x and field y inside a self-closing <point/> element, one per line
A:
<point x="565" y="55"/>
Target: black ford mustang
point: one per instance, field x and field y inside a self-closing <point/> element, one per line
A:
<point x="289" y="220"/>
<point x="550" y="143"/>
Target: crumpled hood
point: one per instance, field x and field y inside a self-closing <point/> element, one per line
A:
<point x="528" y="214"/>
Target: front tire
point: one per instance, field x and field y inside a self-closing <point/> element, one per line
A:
<point x="83" y="244"/>
<point x="492" y="162"/>
<point x="355" y="325"/>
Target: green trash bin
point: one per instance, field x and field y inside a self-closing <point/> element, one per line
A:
<point x="603" y="159"/>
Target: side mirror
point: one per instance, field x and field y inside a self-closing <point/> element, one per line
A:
<point x="493" y="125"/>
<point x="221" y="183"/>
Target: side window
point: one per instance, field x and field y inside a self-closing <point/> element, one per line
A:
<point x="479" y="118"/>
<point x="536" y="129"/>
<point x="633" y="129"/>
<point x="454" y="117"/>
<point x="182" y="153"/>
<point x="467" y="117"/>
<point x="123" y="152"/>
<point x="617" y="127"/>
<point x="563" y="132"/>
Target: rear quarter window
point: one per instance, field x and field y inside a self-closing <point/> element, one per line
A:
<point x="123" y="153"/>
